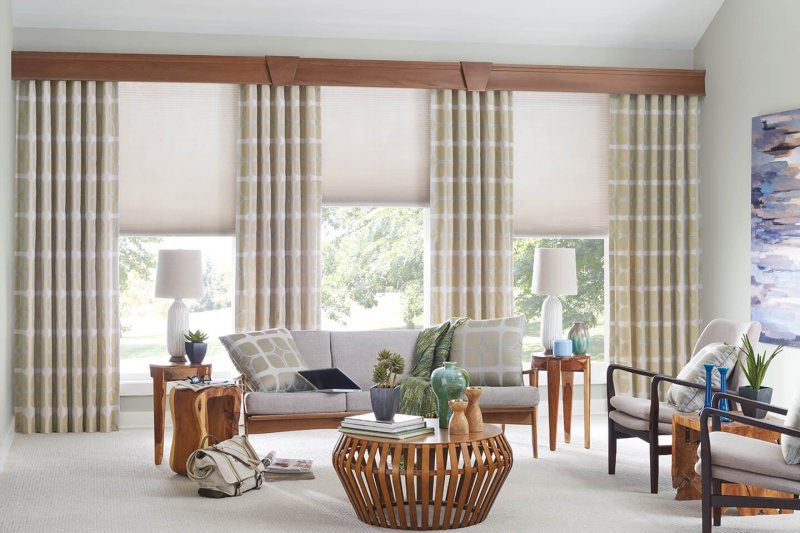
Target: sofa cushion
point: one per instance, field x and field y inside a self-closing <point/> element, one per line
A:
<point x="269" y="359"/>
<point x="750" y="455"/>
<point x="521" y="396"/>
<point x="640" y="408"/>
<point x="490" y="350"/>
<point x="356" y="352"/>
<point x="790" y="446"/>
<point x="688" y="399"/>
<point x="289" y="403"/>
<point x="358" y="401"/>
<point x="314" y="346"/>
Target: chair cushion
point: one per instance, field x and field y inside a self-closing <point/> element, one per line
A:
<point x="638" y="424"/>
<point x="268" y="359"/>
<point x="490" y="350"/>
<point x="790" y="446"/>
<point x="748" y="455"/>
<point x="688" y="399"/>
<point x="290" y="403"/>
<point x="640" y="408"/>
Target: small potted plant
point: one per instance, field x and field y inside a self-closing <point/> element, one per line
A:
<point x="755" y="367"/>
<point x="385" y="394"/>
<point x="195" y="346"/>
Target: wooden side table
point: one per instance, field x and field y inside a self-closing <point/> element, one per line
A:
<point x="686" y="440"/>
<point x="197" y="413"/>
<point x="561" y="370"/>
<point x="161" y="374"/>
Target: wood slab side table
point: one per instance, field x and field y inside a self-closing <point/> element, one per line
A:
<point x="197" y="413"/>
<point x="161" y="374"/>
<point x="686" y="440"/>
<point x="435" y="481"/>
<point x="560" y="370"/>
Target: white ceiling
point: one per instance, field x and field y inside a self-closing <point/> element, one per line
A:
<point x="665" y="24"/>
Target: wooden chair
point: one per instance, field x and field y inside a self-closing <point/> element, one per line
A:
<point x="729" y="458"/>
<point x="645" y="418"/>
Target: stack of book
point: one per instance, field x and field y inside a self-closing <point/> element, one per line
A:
<point x="400" y="428"/>
<point x="277" y="469"/>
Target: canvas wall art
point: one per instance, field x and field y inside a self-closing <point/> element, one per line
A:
<point x="775" y="228"/>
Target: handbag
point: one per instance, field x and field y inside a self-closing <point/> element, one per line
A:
<point x="228" y="468"/>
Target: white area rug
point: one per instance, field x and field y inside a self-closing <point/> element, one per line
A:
<point x="108" y="482"/>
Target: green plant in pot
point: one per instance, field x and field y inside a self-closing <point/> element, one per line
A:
<point x="195" y="346"/>
<point x="385" y="394"/>
<point x="755" y="367"/>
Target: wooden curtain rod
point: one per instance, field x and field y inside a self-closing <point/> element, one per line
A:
<point x="289" y="70"/>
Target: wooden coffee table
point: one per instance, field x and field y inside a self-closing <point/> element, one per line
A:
<point x="686" y="440"/>
<point x="436" y="481"/>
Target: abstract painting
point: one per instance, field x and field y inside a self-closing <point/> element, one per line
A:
<point x="775" y="228"/>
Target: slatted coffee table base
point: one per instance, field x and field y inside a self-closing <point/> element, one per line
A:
<point x="451" y="484"/>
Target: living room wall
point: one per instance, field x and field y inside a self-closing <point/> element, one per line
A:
<point x="747" y="52"/>
<point x="6" y="228"/>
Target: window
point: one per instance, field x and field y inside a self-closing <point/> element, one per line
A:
<point x="589" y="304"/>
<point x="372" y="267"/>
<point x="143" y="317"/>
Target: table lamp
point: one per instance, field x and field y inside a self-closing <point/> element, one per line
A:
<point x="179" y="274"/>
<point x="554" y="274"/>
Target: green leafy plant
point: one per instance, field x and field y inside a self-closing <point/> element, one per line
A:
<point x="195" y="336"/>
<point x="756" y="364"/>
<point x="386" y="370"/>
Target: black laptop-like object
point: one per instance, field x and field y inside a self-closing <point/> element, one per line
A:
<point x="329" y="380"/>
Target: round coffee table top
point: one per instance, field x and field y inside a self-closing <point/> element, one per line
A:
<point x="439" y="435"/>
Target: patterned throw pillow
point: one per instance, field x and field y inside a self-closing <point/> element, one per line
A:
<point x="790" y="446"/>
<point x="687" y="399"/>
<point x="268" y="359"/>
<point x="490" y="350"/>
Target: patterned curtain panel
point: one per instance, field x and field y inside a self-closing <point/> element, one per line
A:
<point x="278" y="215"/>
<point x="654" y="247"/>
<point x="471" y="204"/>
<point x="66" y="332"/>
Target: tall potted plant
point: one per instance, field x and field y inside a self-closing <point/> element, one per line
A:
<point x="385" y="394"/>
<point x="755" y="367"/>
<point x="195" y="346"/>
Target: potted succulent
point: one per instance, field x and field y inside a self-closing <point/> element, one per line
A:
<point x="195" y="346"/>
<point x="385" y="394"/>
<point x="755" y="367"/>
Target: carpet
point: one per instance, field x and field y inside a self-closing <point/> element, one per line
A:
<point x="108" y="482"/>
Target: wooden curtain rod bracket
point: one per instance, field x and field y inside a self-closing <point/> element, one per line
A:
<point x="476" y="75"/>
<point x="282" y="69"/>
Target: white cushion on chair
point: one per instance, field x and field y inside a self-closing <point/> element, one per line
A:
<point x="638" y="424"/>
<point x="688" y="399"/>
<point x="790" y="446"/>
<point x="640" y="408"/>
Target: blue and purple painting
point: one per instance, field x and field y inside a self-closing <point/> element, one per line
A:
<point x="775" y="229"/>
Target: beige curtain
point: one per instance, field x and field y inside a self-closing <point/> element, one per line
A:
<point x="278" y="214"/>
<point x="653" y="244"/>
<point x="471" y="204"/>
<point x="66" y="329"/>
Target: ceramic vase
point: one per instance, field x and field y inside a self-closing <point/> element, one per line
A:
<point x="458" y="422"/>
<point x="448" y="383"/>
<point x="723" y="404"/>
<point x="764" y="394"/>
<point x="384" y="402"/>
<point x="709" y="372"/>
<point x="579" y="335"/>
<point x="474" y="415"/>
<point x="195" y="351"/>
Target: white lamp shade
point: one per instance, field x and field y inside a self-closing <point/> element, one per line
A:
<point x="179" y="274"/>
<point x="554" y="272"/>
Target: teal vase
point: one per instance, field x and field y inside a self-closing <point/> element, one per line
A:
<point x="579" y="335"/>
<point x="448" y="382"/>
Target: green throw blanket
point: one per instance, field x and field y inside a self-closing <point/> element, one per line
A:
<point x="432" y="349"/>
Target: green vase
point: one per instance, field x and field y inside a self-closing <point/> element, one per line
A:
<point x="448" y="382"/>
<point x="579" y="335"/>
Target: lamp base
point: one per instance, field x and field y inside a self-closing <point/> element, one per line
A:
<point x="552" y="325"/>
<point x="177" y="325"/>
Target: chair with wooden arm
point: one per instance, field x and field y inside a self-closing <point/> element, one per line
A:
<point x="647" y="418"/>
<point x="731" y="458"/>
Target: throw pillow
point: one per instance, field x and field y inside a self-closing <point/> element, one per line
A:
<point x="688" y="399"/>
<point x="790" y="446"/>
<point x="490" y="350"/>
<point x="269" y="360"/>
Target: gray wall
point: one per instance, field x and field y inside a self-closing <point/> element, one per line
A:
<point x="748" y="52"/>
<point x="6" y="223"/>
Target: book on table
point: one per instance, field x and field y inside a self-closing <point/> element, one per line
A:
<point x="394" y="435"/>
<point x="400" y="422"/>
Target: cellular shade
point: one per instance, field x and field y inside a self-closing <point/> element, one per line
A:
<point x="375" y="146"/>
<point x="560" y="164"/>
<point x="177" y="158"/>
<point x="179" y="274"/>
<point x="554" y="271"/>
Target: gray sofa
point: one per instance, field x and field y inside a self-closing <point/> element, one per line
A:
<point x="354" y="352"/>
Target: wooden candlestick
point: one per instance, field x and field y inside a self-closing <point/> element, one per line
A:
<point x="458" y="422"/>
<point x="473" y="414"/>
